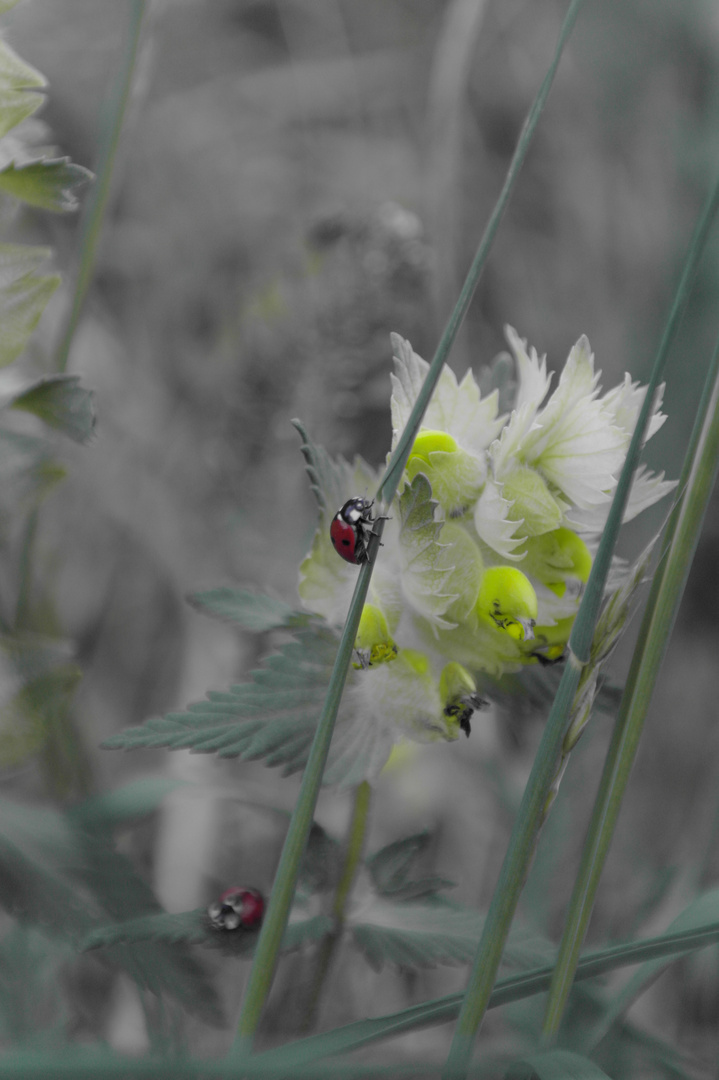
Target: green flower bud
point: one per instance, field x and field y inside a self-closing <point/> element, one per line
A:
<point x="458" y="692"/>
<point x="556" y="558"/>
<point x="507" y="599"/>
<point x="533" y="502"/>
<point x="456" y="476"/>
<point x="373" y="644"/>
<point x="465" y="578"/>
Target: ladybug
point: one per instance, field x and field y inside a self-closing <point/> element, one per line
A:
<point x="351" y="529"/>
<point x="237" y="907"/>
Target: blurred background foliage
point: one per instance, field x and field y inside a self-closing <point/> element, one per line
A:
<point x="295" y="180"/>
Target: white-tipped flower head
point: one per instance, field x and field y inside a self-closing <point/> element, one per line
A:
<point x="487" y="548"/>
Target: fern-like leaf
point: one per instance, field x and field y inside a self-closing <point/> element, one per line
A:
<point x="271" y="717"/>
<point x="250" y="610"/>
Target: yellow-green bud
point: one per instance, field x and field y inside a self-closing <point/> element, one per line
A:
<point x="556" y="557"/>
<point x="373" y="644"/>
<point x="458" y="692"/>
<point x="507" y="599"/>
<point x="456" y="476"/>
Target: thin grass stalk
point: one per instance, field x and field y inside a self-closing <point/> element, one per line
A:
<point x="678" y="547"/>
<point x="263" y="968"/>
<point x="283" y="888"/>
<point x="532" y="810"/>
<point x="393" y="474"/>
<point x="356" y="837"/>
<point x="507" y="990"/>
<point x="96" y="203"/>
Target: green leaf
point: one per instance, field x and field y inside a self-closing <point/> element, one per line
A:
<point x="47" y="183"/>
<point x="556" y="1065"/>
<point x="272" y="717"/>
<point x="126" y="804"/>
<point x="424" y="575"/>
<point x="21" y="305"/>
<point x="28" y="719"/>
<point x="27" y="472"/>
<point x="250" y="610"/>
<point x="16" y="106"/>
<point x="16" y="74"/>
<point x="390" y="868"/>
<point x="193" y="928"/>
<point x="17" y="260"/>
<point x="414" y="934"/>
<point x="62" y="403"/>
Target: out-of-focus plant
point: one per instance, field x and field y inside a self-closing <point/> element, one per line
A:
<point x="486" y="547"/>
<point x="38" y="676"/>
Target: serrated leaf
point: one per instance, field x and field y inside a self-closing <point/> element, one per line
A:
<point x="19" y="259"/>
<point x="128" y="803"/>
<point x="47" y="183"/>
<point x="15" y="73"/>
<point x="415" y="934"/>
<point x="272" y="717"/>
<point x="186" y="926"/>
<point x="390" y="866"/>
<point x="16" y="106"/>
<point x="423" y="575"/>
<point x="555" y="1065"/>
<point x="330" y="478"/>
<point x="67" y="881"/>
<point x="21" y="305"/>
<point x="193" y="928"/>
<point x="250" y="610"/>
<point x="62" y="403"/>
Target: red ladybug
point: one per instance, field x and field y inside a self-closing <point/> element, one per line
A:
<point x="237" y="908"/>
<point x="351" y="529"/>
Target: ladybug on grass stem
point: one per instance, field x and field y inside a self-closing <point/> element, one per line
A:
<point x="351" y="529"/>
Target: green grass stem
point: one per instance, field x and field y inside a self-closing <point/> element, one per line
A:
<point x="393" y="473"/>
<point x="531" y="812"/>
<point x="678" y="547"/>
<point x="283" y="889"/>
<point x="354" y="850"/>
<point x="513" y="988"/>
<point x="96" y="202"/>
<point x="284" y="886"/>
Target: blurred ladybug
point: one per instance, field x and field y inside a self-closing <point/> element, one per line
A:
<point x="351" y="529"/>
<point x="237" y="908"/>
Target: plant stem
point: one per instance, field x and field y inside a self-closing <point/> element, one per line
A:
<point x="532" y="810"/>
<point x="283" y="889"/>
<point x="353" y="857"/>
<point x="395" y="468"/>
<point x="96" y="203"/>
<point x="679" y="544"/>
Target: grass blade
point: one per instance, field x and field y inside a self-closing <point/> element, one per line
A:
<point x="97" y="199"/>
<point x="395" y="468"/>
<point x="678" y="547"/>
<point x="514" y="988"/>
<point x="529" y="820"/>
<point x="283" y="889"/>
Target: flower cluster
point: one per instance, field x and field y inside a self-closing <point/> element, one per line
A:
<point x="487" y="548"/>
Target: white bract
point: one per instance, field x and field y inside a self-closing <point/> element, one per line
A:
<point x="488" y="546"/>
